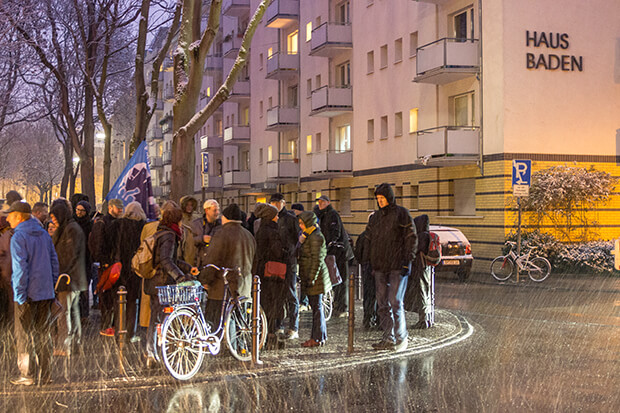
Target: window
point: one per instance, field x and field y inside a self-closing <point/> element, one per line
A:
<point x="309" y="144"/>
<point x="413" y="120"/>
<point x="413" y="44"/>
<point x="218" y="127"/>
<point x="270" y="102"/>
<point x="260" y="61"/>
<point x="209" y="91"/>
<point x="317" y="142"/>
<point x="292" y="42"/>
<point x="398" y="50"/>
<point x="344" y="200"/>
<point x="269" y="53"/>
<point x="292" y="96"/>
<point x="383" y="57"/>
<point x="343" y="75"/>
<point x="269" y="153"/>
<point x="343" y="138"/>
<point x="465" y="197"/>
<point x="260" y="156"/>
<point x="342" y="12"/>
<point x="398" y="124"/>
<point x="317" y="81"/>
<point x="371" y="130"/>
<point x="309" y="88"/>
<point x="463" y="110"/>
<point x="245" y="160"/>
<point x="384" y="127"/>
<point x="413" y="197"/>
<point x="370" y="62"/>
<point x="463" y="25"/>
<point x="260" y="108"/>
<point x="246" y="117"/>
<point x="292" y="148"/>
<point x="308" y="31"/>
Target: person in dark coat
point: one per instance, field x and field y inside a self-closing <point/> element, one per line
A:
<point x="315" y="281"/>
<point x="82" y="217"/>
<point x="129" y="230"/>
<point x="269" y="247"/>
<point x="169" y="268"/>
<point x="392" y="243"/>
<point x="204" y="228"/>
<point x="362" y="255"/>
<point x="6" y="291"/>
<point x="69" y="243"/>
<point x="422" y="276"/>
<point x="232" y="246"/>
<point x="289" y="234"/>
<point x="337" y="245"/>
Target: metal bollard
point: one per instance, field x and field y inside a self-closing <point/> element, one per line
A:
<point x="255" y="320"/>
<point x="122" y="309"/>
<point x="351" y="311"/>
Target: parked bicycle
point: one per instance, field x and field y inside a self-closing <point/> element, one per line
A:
<point x="537" y="268"/>
<point x="185" y="336"/>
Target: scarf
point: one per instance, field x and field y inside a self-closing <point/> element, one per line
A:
<point x="176" y="229"/>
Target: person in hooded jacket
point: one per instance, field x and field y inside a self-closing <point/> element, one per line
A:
<point x="422" y="276"/>
<point x="315" y="281"/>
<point x="70" y="248"/>
<point x="269" y="247"/>
<point x="169" y="268"/>
<point x="392" y="243"/>
<point x="81" y="215"/>
<point x="129" y="230"/>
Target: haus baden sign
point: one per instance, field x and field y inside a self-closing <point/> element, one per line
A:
<point x="553" y="58"/>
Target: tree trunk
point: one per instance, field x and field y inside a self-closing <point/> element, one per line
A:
<point x="68" y="171"/>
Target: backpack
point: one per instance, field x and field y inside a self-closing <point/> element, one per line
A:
<point x="433" y="257"/>
<point x="142" y="261"/>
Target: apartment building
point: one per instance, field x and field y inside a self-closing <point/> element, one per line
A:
<point x="435" y="97"/>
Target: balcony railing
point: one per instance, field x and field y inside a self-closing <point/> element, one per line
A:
<point x="331" y="101"/>
<point x="280" y="119"/>
<point x="214" y="64"/>
<point x="331" y="39"/>
<point x="237" y="178"/>
<point x="235" y="8"/>
<point x="281" y="13"/>
<point x="156" y="162"/>
<point x="452" y="143"/>
<point x="231" y="46"/>
<point x="282" y="66"/>
<point x="154" y="133"/>
<point x="283" y="170"/>
<point x="209" y="143"/>
<point x="237" y="135"/>
<point x="167" y="158"/>
<point x="240" y="91"/>
<point x="212" y="182"/>
<point x="332" y="163"/>
<point x="447" y="60"/>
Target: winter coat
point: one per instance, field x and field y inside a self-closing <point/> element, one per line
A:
<point x="5" y="255"/>
<point x="69" y="244"/>
<point x="392" y="240"/>
<point x="87" y="226"/>
<point x="414" y="299"/>
<point x="170" y="269"/>
<point x="102" y="240"/>
<point x="288" y="225"/>
<point x="129" y="231"/>
<point x="200" y="228"/>
<point x="232" y="246"/>
<point x="362" y="250"/>
<point x="35" y="263"/>
<point x="269" y="247"/>
<point x="312" y="269"/>
<point x="331" y="227"/>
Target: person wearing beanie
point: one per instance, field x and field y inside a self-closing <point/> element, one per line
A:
<point x="297" y="209"/>
<point x="269" y="247"/>
<point x="232" y="246"/>
<point x="315" y="281"/>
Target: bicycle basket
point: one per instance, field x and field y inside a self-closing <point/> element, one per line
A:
<point x="177" y="294"/>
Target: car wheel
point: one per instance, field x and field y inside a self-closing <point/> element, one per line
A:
<point x="463" y="274"/>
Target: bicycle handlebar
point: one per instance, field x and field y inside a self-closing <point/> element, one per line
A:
<point x="224" y="269"/>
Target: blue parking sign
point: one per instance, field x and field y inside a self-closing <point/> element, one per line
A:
<point x="521" y="172"/>
<point x="205" y="162"/>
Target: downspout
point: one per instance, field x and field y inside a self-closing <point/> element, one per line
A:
<point x="481" y="140"/>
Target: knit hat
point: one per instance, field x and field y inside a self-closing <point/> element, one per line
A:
<point x="85" y="205"/>
<point x="266" y="212"/>
<point x="12" y="196"/>
<point x="233" y="212"/>
<point x="298" y="207"/>
<point x="20" y="206"/>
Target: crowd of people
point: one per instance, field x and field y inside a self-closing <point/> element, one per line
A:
<point x="54" y="264"/>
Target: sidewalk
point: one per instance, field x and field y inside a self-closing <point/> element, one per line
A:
<point x="97" y="368"/>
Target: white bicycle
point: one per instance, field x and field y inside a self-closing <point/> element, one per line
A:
<point x="537" y="268"/>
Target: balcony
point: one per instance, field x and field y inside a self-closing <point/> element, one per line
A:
<point x="154" y="134"/>
<point x="331" y="39"/>
<point x="447" y="60"/>
<point x="282" y="66"/>
<point x="210" y="143"/>
<point x="283" y="170"/>
<point x="237" y="179"/>
<point x="214" y="64"/>
<point x="332" y="163"/>
<point x="331" y="101"/>
<point x="237" y="135"/>
<point x="212" y="182"/>
<point x="167" y="158"/>
<point x="240" y="91"/>
<point x="231" y="46"/>
<point x="166" y="124"/>
<point x="449" y="145"/>
<point x="235" y="8"/>
<point x="282" y="13"/>
<point x="165" y="190"/>
<point x="281" y="119"/>
<point x="156" y="162"/>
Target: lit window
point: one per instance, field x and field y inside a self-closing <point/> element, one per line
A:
<point x="209" y="91"/>
<point x="343" y="138"/>
<point x="309" y="144"/>
<point x="413" y="120"/>
<point x="292" y="42"/>
<point x="309" y="31"/>
<point x="269" y="153"/>
<point x="269" y="52"/>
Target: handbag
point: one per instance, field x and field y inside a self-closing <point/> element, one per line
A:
<point x="275" y="270"/>
<point x="332" y="268"/>
<point x="109" y="277"/>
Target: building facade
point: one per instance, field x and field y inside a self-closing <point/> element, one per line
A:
<point x="436" y="97"/>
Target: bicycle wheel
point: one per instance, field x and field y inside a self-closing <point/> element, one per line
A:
<point x="538" y="269"/>
<point x="181" y="349"/>
<point x="328" y="304"/>
<point x="238" y="330"/>
<point x="502" y="268"/>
